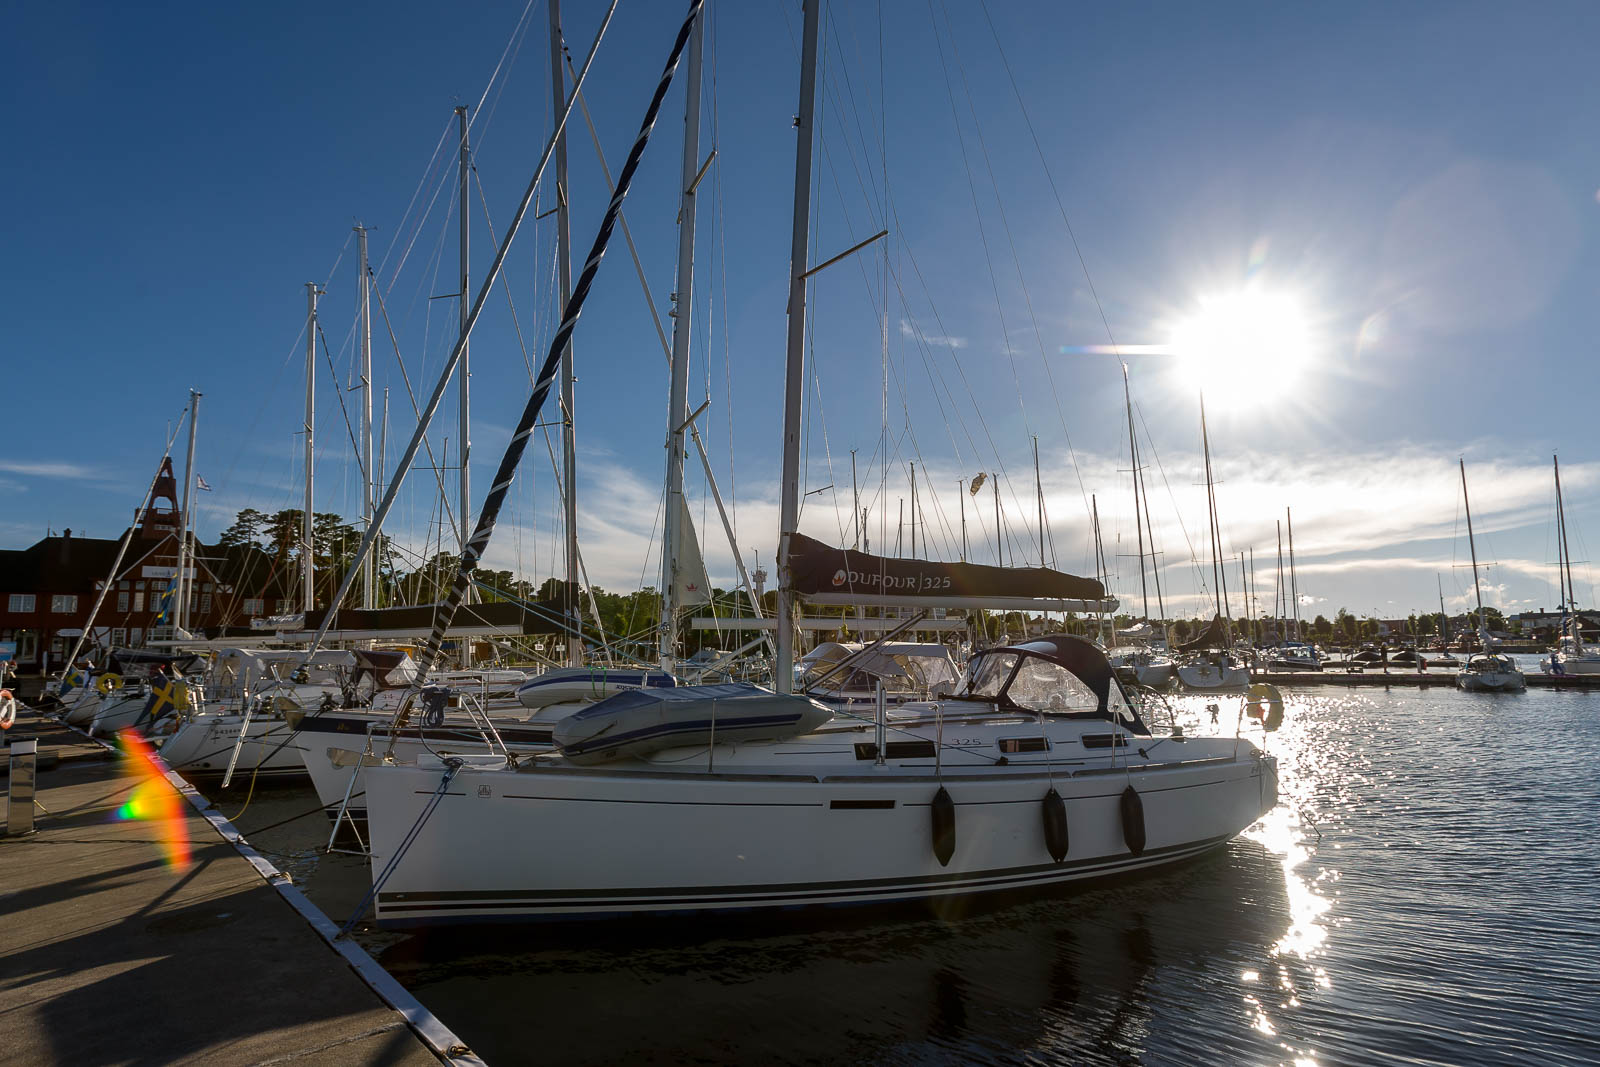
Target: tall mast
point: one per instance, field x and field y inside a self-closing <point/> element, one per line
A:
<point x="1099" y="563"/>
<point x="1244" y="585"/>
<point x="464" y="437"/>
<point x="1483" y="621"/>
<point x="999" y="547"/>
<point x="369" y="573"/>
<point x="1279" y="593"/>
<point x="569" y="445"/>
<point x="678" y="388"/>
<point x="1570" y="594"/>
<point x="185" y="526"/>
<point x="1294" y="582"/>
<point x="961" y="495"/>
<point x="1253" y="609"/>
<point x="794" y="373"/>
<point x="1133" y="455"/>
<point x="1444" y="620"/>
<point x="1155" y="570"/>
<point x="1038" y="490"/>
<point x="308" y="592"/>
<point x="1211" y="514"/>
<point x="913" y="511"/>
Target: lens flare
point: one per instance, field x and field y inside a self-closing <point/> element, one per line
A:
<point x="154" y="800"/>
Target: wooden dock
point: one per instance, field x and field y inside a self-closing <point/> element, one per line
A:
<point x="1423" y="679"/>
<point x="113" y="956"/>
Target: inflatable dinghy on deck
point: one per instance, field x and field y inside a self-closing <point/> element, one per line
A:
<point x="641" y="721"/>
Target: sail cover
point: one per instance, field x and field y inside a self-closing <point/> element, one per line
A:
<point x="1214" y="637"/>
<point x="827" y="575"/>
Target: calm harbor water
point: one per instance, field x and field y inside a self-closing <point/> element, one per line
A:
<point x="1428" y="892"/>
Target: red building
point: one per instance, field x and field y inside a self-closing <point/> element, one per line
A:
<point x="48" y="590"/>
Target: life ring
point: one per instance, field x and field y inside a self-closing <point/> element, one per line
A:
<point x="8" y="709"/>
<point x="107" y="682"/>
<point x="1264" y="702"/>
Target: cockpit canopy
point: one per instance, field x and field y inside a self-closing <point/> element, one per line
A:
<point x="1056" y="675"/>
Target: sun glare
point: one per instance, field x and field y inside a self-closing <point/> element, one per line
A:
<point x="1251" y="344"/>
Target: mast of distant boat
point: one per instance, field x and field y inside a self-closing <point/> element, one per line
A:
<point x="369" y="573"/>
<point x="1483" y="621"/>
<point x="673" y="535"/>
<point x="1294" y="583"/>
<point x="1133" y="457"/>
<point x="794" y="376"/>
<point x="1564" y="566"/>
<point x="308" y="593"/>
<point x="569" y="446"/>
<point x="1216" y="530"/>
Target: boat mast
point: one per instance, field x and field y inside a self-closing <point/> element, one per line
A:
<point x="1483" y="621"/>
<point x="1038" y="490"/>
<point x="464" y="445"/>
<point x="794" y="374"/>
<point x="1099" y="567"/>
<point x="1444" y="620"/>
<point x="678" y="388"/>
<point x="1211" y="511"/>
<point x="185" y="526"/>
<point x="369" y="573"/>
<point x="1570" y="594"/>
<point x="308" y="592"/>
<point x="569" y="442"/>
<point x="1294" y="582"/>
<point x="1133" y="456"/>
<point x="1279" y="593"/>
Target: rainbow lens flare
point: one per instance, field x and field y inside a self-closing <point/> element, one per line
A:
<point x="154" y="800"/>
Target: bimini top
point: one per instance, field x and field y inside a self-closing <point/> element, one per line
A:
<point x="1059" y="674"/>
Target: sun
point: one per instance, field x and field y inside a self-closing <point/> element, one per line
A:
<point x="1247" y="346"/>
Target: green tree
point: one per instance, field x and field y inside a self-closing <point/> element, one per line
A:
<point x="246" y="529"/>
<point x="1321" y="626"/>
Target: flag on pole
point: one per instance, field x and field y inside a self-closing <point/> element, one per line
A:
<point x="200" y="483"/>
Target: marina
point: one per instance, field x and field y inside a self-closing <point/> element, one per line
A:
<point x="807" y="533"/>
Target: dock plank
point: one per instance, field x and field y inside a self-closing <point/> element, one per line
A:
<point x="108" y="956"/>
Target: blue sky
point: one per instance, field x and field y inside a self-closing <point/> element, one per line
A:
<point x="1420" y="181"/>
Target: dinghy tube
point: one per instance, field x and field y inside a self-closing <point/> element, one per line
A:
<point x="641" y="721"/>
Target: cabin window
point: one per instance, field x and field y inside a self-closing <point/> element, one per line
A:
<point x="989" y="674"/>
<point x="1011" y="745"/>
<point x="1105" y="740"/>
<point x="1041" y="685"/>
<point x="22" y="602"/>
<point x="895" y="750"/>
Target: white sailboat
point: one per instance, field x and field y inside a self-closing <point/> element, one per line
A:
<point x="1486" y="671"/>
<point x="1038" y="773"/>
<point x="1212" y="663"/>
<point x="1570" y="656"/>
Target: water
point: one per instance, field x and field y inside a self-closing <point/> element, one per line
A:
<point x="1445" y="915"/>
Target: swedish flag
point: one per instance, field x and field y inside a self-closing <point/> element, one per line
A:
<point x="164" y="599"/>
<point x="73" y="679"/>
<point x="165" y="697"/>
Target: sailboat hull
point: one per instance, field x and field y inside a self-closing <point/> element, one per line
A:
<point x="563" y="843"/>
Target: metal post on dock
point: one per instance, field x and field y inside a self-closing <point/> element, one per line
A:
<point x="19" y="794"/>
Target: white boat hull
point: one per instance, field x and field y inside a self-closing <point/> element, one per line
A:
<point x="1210" y="676"/>
<point x="1491" y="681"/>
<point x="203" y="746"/>
<point x="557" y="842"/>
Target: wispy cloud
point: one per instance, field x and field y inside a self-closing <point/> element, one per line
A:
<point x="75" y="471"/>
<point x="938" y="340"/>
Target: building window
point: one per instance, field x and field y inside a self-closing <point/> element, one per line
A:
<point x="122" y="601"/>
<point x="63" y="603"/>
<point x="206" y="588"/>
<point x="22" y="602"/>
<point x="119" y="638"/>
<point x="58" y="646"/>
<point x="27" y="646"/>
<point x="138" y="601"/>
<point x="122" y="584"/>
<point x="285" y="607"/>
<point x="138" y="585"/>
<point x="254" y="607"/>
<point x="205" y="604"/>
